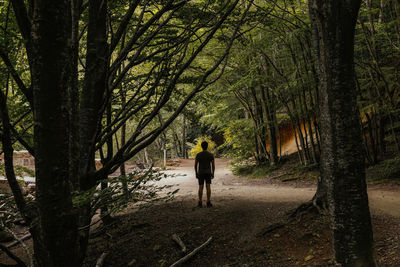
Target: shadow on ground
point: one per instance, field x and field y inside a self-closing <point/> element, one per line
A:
<point x="143" y="237"/>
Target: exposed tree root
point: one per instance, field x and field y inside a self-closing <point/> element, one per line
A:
<point x="313" y="206"/>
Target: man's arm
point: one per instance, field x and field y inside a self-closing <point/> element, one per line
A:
<point x="196" y="164"/>
<point x="212" y="168"/>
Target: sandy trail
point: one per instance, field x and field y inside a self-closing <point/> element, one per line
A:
<point x="225" y="185"/>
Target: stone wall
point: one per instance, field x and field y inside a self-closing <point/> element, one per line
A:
<point x="22" y="158"/>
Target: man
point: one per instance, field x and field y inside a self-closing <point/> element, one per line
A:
<point x="204" y="165"/>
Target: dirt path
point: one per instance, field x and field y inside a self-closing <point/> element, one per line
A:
<point x="237" y="222"/>
<point x="226" y="185"/>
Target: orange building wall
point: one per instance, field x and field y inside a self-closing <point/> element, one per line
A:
<point x="287" y="138"/>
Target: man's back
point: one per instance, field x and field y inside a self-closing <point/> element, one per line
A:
<point x="205" y="158"/>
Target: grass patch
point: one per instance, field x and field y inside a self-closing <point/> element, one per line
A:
<point x="242" y="169"/>
<point x="261" y="171"/>
<point x="19" y="171"/>
<point x="252" y="171"/>
<point x="384" y="171"/>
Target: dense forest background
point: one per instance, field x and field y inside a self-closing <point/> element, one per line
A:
<point x="270" y="82"/>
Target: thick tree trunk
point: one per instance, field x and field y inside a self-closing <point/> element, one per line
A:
<point x="342" y="159"/>
<point x="55" y="242"/>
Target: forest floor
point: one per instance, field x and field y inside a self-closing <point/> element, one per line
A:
<point x="243" y="209"/>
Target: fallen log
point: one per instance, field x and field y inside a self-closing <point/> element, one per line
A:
<point x="177" y="239"/>
<point x="191" y="254"/>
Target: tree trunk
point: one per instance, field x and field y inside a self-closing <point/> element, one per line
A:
<point x="91" y="106"/>
<point x="270" y="115"/>
<point x="123" y="142"/>
<point x="342" y="158"/>
<point x="55" y="242"/>
<point x="184" y="153"/>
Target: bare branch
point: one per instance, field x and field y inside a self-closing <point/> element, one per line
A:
<point x="27" y="92"/>
<point x="8" y="158"/>
<point x="124" y="23"/>
<point x="132" y="147"/>
<point x="21" y="15"/>
<point x="12" y="256"/>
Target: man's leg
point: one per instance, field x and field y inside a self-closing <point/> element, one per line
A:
<point x="201" y="192"/>
<point x="208" y="188"/>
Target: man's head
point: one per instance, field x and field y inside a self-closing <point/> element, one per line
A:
<point x="204" y="145"/>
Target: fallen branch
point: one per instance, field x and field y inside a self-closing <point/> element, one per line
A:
<point x="272" y="227"/>
<point x="12" y="256"/>
<point x="191" y="254"/>
<point x="100" y="261"/>
<point x="19" y="240"/>
<point x="177" y="239"/>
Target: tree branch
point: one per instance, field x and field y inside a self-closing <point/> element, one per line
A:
<point x="131" y="148"/>
<point x="21" y="15"/>
<point x="8" y="158"/>
<point x="9" y="253"/>
<point x="27" y="92"/>
<point x="124" y="23"/>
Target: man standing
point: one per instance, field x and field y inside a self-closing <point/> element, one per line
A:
<point x="204" y="165"/>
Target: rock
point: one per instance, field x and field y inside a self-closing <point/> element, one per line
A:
<point x="31" y="188"/>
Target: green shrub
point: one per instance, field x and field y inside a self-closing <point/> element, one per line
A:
<point x="197" y="148"/>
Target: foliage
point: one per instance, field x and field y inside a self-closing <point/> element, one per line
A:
<point x="20" y="171"/>
<point x="239" y="137"/>
<point x="142" y="189"/>
<point x="386" y="170"/>
<point x="197" y="148"/>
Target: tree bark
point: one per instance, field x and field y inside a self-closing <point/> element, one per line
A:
<point x="92" y="101"/>
<point x="342" y="158"/>
<point x="55" y="242"/>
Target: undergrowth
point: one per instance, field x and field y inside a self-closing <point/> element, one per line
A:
<point x="385" y="170"/>
<point x="19" y="171"/>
